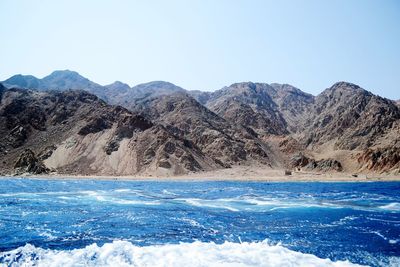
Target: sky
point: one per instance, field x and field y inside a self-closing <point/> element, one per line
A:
<point x="207" y="44"/>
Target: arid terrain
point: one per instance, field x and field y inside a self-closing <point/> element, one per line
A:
<point x="65" y="124"/>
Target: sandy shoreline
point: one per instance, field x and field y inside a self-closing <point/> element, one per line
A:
<point x="255" y="174"/>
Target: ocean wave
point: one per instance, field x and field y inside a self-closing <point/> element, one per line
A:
<point x="261" y="204"/>
<point x="124" y="253"/>
<point x="394" y="206"/>
<point x="122" y="190"/>
<point x="213" y="203"/>
<point x="254" y="204"/>
<point x="115" y="200"/>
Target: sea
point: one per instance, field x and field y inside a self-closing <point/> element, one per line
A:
<point x="54" y="222"/>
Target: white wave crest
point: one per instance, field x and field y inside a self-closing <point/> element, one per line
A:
<point x="394" y="206"/>
<point x="123" y="253"/>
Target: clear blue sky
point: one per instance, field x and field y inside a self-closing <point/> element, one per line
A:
<point x="207" y="44"/>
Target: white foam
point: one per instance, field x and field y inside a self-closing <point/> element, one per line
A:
<point x="394" y="206"/>
<point x="132" y="202"/>
<point x="104" y="197"/>
<point x="218" y="204"/>
<point x="123" y="253"/>
<point x="379" y="234"/>
<point x="191" y="222"/>
<point x="122" y="190"/>
<point x="166" y="192"/>
<point x="271" y="204"/>
<point x="255" y="204"/>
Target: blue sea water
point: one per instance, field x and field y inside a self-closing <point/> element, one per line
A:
<point x="149" y="223"/>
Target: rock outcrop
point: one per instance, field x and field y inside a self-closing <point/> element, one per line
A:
<point x="381" y="160"/>
<point x="29" y="163"/>
<point x="301" y="162"/>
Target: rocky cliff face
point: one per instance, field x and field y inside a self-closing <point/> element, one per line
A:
<point x="245" y="123"/>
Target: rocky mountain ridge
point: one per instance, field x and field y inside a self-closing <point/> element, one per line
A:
<point x="343" y="128"/>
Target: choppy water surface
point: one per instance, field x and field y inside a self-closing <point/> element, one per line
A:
<point x="140" y="223"/>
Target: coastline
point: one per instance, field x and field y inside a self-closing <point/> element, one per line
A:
<point x="243" y="174"/>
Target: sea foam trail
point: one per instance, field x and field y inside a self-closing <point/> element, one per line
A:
<point x="123" y="253"/>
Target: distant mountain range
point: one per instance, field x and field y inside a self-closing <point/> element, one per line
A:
<point x="69" y="124"/>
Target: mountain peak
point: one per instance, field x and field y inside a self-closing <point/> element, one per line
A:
<point x="118" y="87"/>
<point x="346" y="85"/>
<point x="67" y="79"/>
<point x="163" y="84"/>
<point x="64" y="74"/>
<point x="159" y="86"/>
<point x="243" y="84"/>
<point x="345" y="90"/>
<point x="25" y="81"/>
<point x="118" y="83"/>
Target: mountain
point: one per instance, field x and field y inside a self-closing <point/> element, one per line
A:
<point x="117" y="86"/>
<point x="355" y="127"/>
<point x="115" y="93"/>
<point x="248" y="104"/>
<point x="65" y="80"/>
<point x="75" y="132"/>
<point x="59" y="80"/>
<point x="293" y="104"/>
<point x="266" y="108"/>
<point x="23" y="81"/>
<point x="135" y="97"/>
<point x="277" y="125"/>
<point x="225" y="142"/>
<point x="351" y="117"/>
<point x="336" y="126"/>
